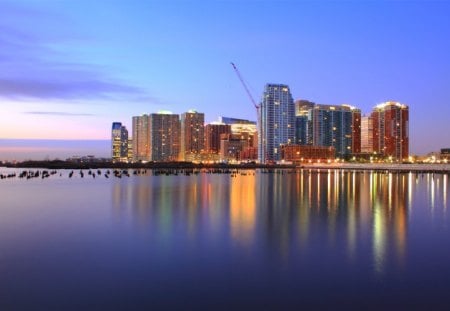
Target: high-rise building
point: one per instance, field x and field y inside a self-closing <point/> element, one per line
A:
<point x="141" y="138"/>
<point x="391" y="130"/>
<point x="119" y="142"/>
<point x="130" y="149"/>
<point x="303" y="128"/>
<point x="328" y="126"/>
<point x="277" y="122"/>
<point x="212" y="136"/>
<point x="366" y="134"/>
<point x="356" y="130"/>
<point x="164" y="136"/>
<point x="332" y="126"/>
<point x="192" y="134"/>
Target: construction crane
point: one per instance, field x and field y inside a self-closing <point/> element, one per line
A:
<point x="246" y="88"/>
<point x="260" y="128"/>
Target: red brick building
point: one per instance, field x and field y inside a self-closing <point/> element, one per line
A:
<point x="304" y="153"/>
<point x="391" y="130"/>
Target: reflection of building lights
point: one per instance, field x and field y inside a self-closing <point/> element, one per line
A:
<point x="444" y="188"/>
<point x="242" y="208"/>
<point x="378" y="239"/>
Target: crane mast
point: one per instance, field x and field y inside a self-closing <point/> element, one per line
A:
<point x="257" y="107"/>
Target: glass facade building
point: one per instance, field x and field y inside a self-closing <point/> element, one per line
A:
<point x="119" y="142"/>
<point x="329" y="126"/>
<point x="276" y="122"/>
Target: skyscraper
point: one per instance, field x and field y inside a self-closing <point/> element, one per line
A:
<point x="192" y="135"/>
<point x="333" y="126"/>
<point x="277" y="122"/>
<point x="141" y="138"/>
<point x="119" y="142"/>
<point x="303" y="128"/>
<point x="328" y="126"/>
<point x="164" y="136"/>
<point x="391" y="130"/>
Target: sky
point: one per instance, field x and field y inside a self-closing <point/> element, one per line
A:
<point x="68" y="69"/>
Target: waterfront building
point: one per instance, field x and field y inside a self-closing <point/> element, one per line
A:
<point x="245" y="130"/>
<point x="336" y="126"/>
<point x="141" y="138"/>
<point x="329" y="126"/>
<point x="356" y="130"/>
<point x="212" y="136"/>
<point x="445" y="154"/>
<point x="130" y="150"/>
<point x="391" y="130"/>
<point x="367" y="134"/>
<point x="192" y="135"/>
<point x="164" y="136"/>
<point x="298" y="154"/>
<point x="303" y="128"/>
<point x="119" y="142"/>
<point x="277" y="122"/>
<point x="233" y="147"/>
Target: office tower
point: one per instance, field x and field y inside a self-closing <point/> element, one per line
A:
<point x="192" y="135"/>
<point x="277" y="122"/>
<point x="212" y="136"/>
<point x="366" y="134"/>
<point x="164" y="136"/>
<point x="141" y="138"/>
<point x="391" y="130"/>
<point x="119" y="143"/>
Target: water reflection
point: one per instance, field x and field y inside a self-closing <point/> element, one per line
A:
<point x="243" y="209"/>
<point x="284" y="212"/>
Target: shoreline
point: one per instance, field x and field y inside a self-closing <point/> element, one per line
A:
<point x="379" y="167"/>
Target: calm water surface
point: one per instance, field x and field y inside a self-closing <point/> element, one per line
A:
<point x="303" y="240"/>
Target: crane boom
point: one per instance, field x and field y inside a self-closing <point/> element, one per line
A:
<point x="245" y="86"/>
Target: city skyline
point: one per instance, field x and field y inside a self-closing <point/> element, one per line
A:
<point x="66" y="65"/>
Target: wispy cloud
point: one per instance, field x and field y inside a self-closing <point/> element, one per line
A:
<point x="31" y="69"/>
<point x="59" y="113"/>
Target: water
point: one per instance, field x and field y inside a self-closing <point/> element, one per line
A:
<point x="304" y="240"/>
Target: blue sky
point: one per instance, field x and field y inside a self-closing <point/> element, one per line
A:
<point x="68" y="69"/>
